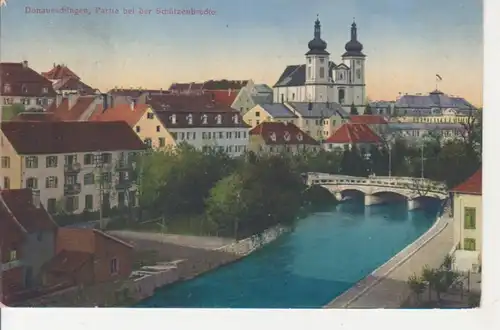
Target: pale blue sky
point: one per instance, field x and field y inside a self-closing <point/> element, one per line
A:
<point x="407" y="41"/>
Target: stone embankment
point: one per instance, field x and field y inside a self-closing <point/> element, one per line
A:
<point x="387" y="287"/>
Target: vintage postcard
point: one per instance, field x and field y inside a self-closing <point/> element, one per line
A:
<point x="230" y="154"/>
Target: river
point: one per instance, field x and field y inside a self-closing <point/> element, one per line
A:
<point x="326" y="254"/>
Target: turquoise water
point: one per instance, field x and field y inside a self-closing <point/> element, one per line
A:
<point x="326" y="255"/>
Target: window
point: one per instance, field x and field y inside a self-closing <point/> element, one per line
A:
<point x="51" y="182"/>
<point x="341" y="96"/>
<point x="88" y="159"/>
<point x="469" y="218"/>
<point x="89" y="202"/>
<point x="358" y="73"/>
<point x="221" y="135"/>
<point x="70" y="159"/>
<point x="7" y="88"/>
<point x="70" y="179"/>
<point x="309" y="75"/>
<point x="45" y="90"/>
<point x="8" y="100"/>
<point x="322" y="72"/>
<point x="32" y="183"/>
<point x="121" y="199"/>
<point x="113" y="269"/>
<point x="138" y="129"/>
<point x="257" y="113"/>
<point x="13" y="255"/>
<point x="106" y="177"/>
<point x="150" y="115"/>
<point x="293" y="96"/>
<point x="106" y="158"/>
<point x="470" y="244"/>
<point x="51" y="161"/>
<point x="88" y="179"/>
<point x="257" y="122"/>
<point x="6" y="182"/>
<point x="161" y="142"/>
<point x="309" y="60"/>
<point x="321" y="60"/>
<point x="32" y="162"/>
<point x="71" y="203"/>
<point x="51" y="205"/>
<point x="5" y="162"/>
<point x="158" y="128"/>
<point x="229" y="135"/>
<point x="25" y="101"/>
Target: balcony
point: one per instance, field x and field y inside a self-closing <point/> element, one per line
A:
<point x="72" y="189"/>
<point x="11" y="264"/>
<point x="72" y="168"/>
<point x="123" y="184"/>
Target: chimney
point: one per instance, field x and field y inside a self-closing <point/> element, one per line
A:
<point x="35" y="198"/>
<point x="25" y="64"/>
<point x="229" y="92"/>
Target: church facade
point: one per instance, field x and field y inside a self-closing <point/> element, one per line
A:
<point x="320" y="80"/>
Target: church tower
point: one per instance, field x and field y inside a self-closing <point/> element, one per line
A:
<point x="355" y="60"/>
<point x="317" y="62"/>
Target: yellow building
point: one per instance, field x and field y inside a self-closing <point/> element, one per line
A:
<point x="467" y="222"/>
<point x="270" y="113"/>
<point x="142" y="119"/>
<point x="58" y="160"/>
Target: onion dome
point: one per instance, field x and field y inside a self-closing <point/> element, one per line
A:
<point x="353" y="47"/>
<point x="317" y="46"/>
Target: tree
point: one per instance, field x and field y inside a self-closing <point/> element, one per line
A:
<point x="354" y="110"/>
<point x="429" y="277"/>
<point x="11" y="111"/>
<point x="368" y="110"/>
<point x="416" y="285"/>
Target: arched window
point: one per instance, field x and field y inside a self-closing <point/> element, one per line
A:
<point x="341" y="96"/>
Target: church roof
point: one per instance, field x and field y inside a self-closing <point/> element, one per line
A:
<point x="295" y="75"/>
<point x="435" y="99"/>
<point x="318" y="110"/>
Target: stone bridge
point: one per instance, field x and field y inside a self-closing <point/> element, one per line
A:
<point x="380" y="189"/>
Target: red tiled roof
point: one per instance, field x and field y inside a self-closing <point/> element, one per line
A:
<point x="17" y="79"/>
<point x="59" y="72"/>
<point x="472" y="185"/>
<point x="187" y="103"/>
<point x="32" y="138"/>
<point x="276" y="133"/>
<point x="224" y="97"/>
<point x="74" y="84"/>
<point x="121" y="112"/>
<point x="64" y="113"/>
<point x="353" y="133"/>
<point x="68" y="261"/>
<point x="20" y="204"/>
<point x="368" y="119"/>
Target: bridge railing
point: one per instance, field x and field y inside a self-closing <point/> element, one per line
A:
<point x="395" y="182"/>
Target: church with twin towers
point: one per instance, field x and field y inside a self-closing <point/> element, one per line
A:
<point x="321" y="80"/>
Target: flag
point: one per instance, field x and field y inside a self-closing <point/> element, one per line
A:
<point x="438" y="77"/>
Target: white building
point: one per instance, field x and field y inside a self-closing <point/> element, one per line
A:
<point x="415" y="132"/>
<point x="60" y="160"/>
<point x="322" y="80"/>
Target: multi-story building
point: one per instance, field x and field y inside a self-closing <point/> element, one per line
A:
<point x="142" y="119"/>
<point x="350" y="134"/>
<point x="27" y="241"/>
<point x="66" y="81"/>
<point x="377" y="123"/>
<point x="436" y="107"/>
<point x="468" y="222"/>
<point x="384" y="108"/>
<point x="20" y="84"/>
<point x="276" y="112"/>
<point x="71" y="164"/>
<point x="415" y="132"/>
<point x="252" y="95"/>
<point x="277" y="137"/>
<point x="321" y="80"/>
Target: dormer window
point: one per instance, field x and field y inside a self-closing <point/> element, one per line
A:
<point x="173" y="119"/>
<point x="24" y="89"/>
<point x="218" y="119"/>
<point x="300" y="137"/>
<point x="7" y="88"/>
<point x="189" y="119"/>
<point x="236" y="119"/>
<point x="273" y="136"/>
<point x="204" y="119"/>
<point x="45" y="90"/>
<point x="287" y="136"/>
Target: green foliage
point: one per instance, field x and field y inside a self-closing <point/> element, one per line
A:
<point x="10" y="111"/>
<point x="354" y="110"/>
<point x="417" y="285"/>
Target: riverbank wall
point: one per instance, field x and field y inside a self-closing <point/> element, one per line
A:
<point x="386" y="287"/>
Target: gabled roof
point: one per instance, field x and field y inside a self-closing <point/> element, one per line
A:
<point x="59" y="72"/>
<point x="262" y="98"/>
<point x="19" y="203"/>
<point x="342" y="66"/>
<point x="278" y="110"/>
<point x="58" y="137"/>
<point x="182" y="119"/>
<point x="69" y="239"/>
<point x="188" y="103"/>
<point x="368" y="119"/>
<point x="318" y="110"/>
<point x="275" y="133"/>
<point x="73" y="84"/>
<point x="63" y="112"/>
<point x="262" y="88"/>
<point x="121" y="112"/>
<point x="295" y="75"/>
<point x="471" y="186"/>
<point x="18" y="79"/>
<point x="225" y="97"/>
<point x="353" y="133"/>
